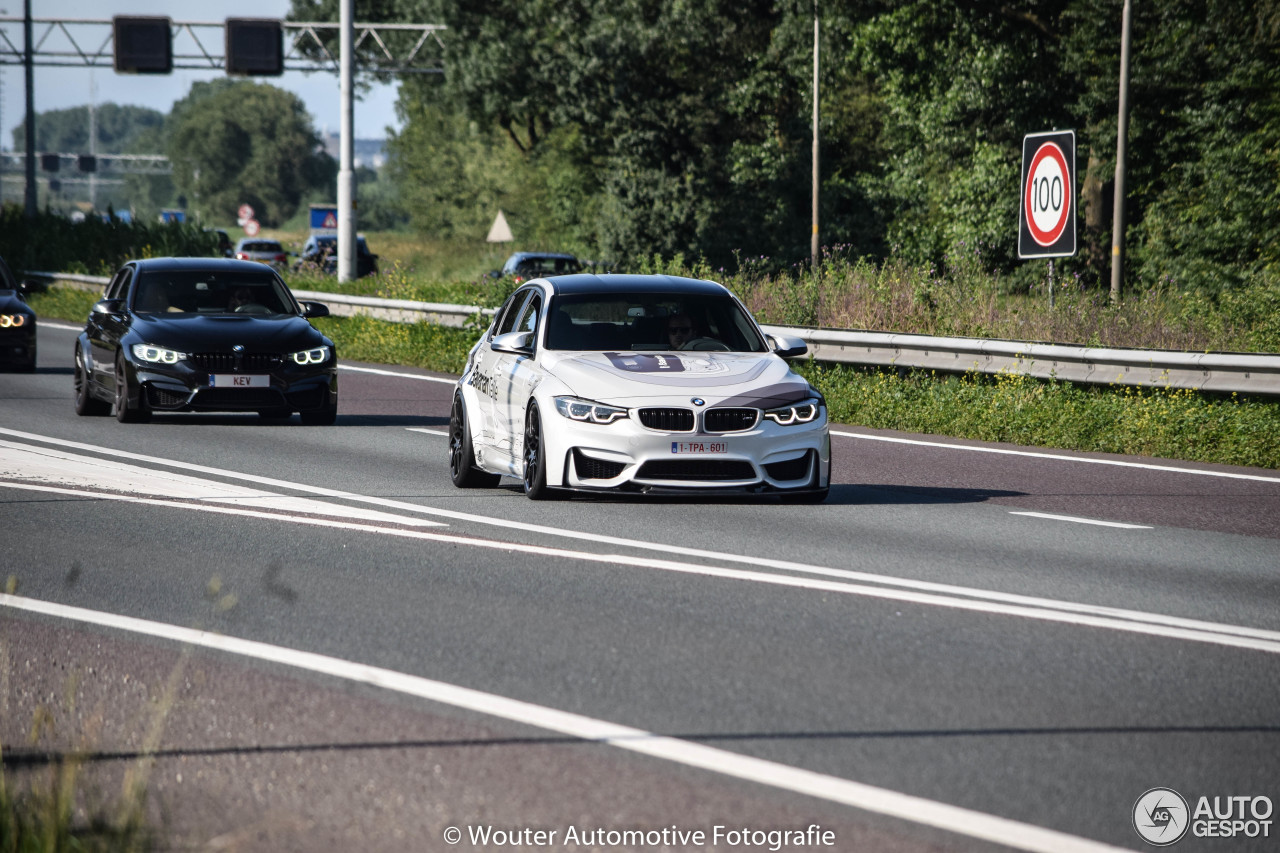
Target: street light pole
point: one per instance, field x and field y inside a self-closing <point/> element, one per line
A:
<point x="346" y="142"/>
<point x="1122" y="133"/>
<point x="27" y="62"/>
<point x="813" y="237"/>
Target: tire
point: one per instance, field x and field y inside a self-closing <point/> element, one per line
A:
<point x="462" y="458"/>
<point x="535" y="462"/>
<point x="86" y="403"/>
<point x="125" y="413"/>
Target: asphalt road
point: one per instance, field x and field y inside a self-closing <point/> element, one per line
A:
<point x="968" y="647"/>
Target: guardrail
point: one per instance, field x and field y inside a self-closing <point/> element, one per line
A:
<point x="1245" y="373"/>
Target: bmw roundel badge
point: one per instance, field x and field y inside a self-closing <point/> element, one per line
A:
<point x="698" y="401"/>
<point x="238" y="348"/>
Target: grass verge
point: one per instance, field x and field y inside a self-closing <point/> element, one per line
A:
<point x="1188" y="425"/>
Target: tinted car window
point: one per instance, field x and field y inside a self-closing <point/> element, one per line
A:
<point x="638" y="321"/>
<point x="209" y="293"/>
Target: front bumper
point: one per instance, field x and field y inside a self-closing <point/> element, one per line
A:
<point x="626" y="456"/>
<point x="179" y="388"/>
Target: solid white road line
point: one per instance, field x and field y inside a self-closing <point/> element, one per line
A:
<point x="882" y="801"/>
<point x="438" y="432"/>
<point x="882" y="586"/>
<point x="1053" y="517"/>
<point x="397" y="374"/>
<point x="1060" y="457"/>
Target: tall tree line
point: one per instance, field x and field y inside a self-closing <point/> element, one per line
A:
<point x="635" y="127"/>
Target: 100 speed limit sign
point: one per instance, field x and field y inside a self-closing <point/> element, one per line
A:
<point x="1047" y="214"/>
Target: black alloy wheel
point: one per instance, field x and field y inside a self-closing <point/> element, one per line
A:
<point x="462" y="459"/>
<point x="86" y="403"/>
<point x="125" y="413"/>
<point x="535" y="463"/>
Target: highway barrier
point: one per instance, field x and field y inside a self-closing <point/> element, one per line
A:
<point x="1244" y="373"/>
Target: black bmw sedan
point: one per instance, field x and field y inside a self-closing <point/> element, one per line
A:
<point x="17" y="324"/>
<point x="204" y="334"/>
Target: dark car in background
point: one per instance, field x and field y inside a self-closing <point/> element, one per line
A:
<point x="17" y="324"/>
<point x="268" y="252"/>
<point x="322" y="251"/>
<point x="526" y="265"/>
<point x="204" y="334"/>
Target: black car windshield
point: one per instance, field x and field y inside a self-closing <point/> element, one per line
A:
<point x="643" y="321"/>
<point x="201" y="292"/>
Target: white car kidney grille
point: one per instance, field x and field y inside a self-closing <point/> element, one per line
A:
<point x="668" y="420"/>
<point x="730" y="420"/>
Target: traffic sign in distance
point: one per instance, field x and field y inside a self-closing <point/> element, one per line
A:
<point x="1047" y="213"/>
<point x="244" y="214"/>
<point x="251" y="228"/>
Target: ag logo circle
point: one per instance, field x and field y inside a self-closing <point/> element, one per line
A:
<point x="1161" y="817"/>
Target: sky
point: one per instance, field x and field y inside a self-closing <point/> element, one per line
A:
<point x="60" y="88"/>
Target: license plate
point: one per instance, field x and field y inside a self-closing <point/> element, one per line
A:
<point x="699" y="447"/>
<point x="237" y="380"/>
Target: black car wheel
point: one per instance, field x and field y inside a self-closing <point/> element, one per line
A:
<point x="86" y="403"/>
<point x="126" y="413"/>
<point x="535" y="462"/>
<point x="462" y="458"/>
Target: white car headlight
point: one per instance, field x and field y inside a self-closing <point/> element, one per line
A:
<point x="157" y="355"/>
<point x="796" y="413"/>
<point x="319" y="355"/>
<point x="587" y="410"/>
<point x="12" y="321"/>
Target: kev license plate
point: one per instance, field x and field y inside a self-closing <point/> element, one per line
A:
<point x="238" y="380"/>
<point x="699" y="447"/>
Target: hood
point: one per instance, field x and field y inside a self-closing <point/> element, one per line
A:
<point x="283" y="333"/>
<point x="759" y="380"/>
<point x="12" y="303"/>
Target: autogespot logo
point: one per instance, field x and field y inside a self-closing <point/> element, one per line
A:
<point x="1160" y="816"/>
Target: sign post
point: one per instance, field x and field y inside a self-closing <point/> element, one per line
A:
<point x="1047" y="211"/>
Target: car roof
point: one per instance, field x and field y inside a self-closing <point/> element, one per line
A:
<point x="198" y="265"/>
<point x="611" y="282"/>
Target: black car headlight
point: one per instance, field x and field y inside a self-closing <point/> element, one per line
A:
<point x="318" y="355"/>
<point x="153" y="354"/>
<point x="12" y="321"/>
<point x="589" y="411"/>
<point x="796" y="413"/>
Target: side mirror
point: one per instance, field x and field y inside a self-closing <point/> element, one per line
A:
<point x="312" y="310"/>
<point x="516" y="343"/>
<point x="111" y="307"/>
<point x="788" y="346"/>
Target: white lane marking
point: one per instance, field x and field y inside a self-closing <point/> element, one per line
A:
<point x="834" y="789"/>
<point x="39" y="465"/>
<point x="438" y="432"/>
<point x="1073" y="518"/>
<point x="1169" y="469"/>
<point x="397" y="374"/>
<point x="1116" y="620"/>
<point x="683" y="551"/>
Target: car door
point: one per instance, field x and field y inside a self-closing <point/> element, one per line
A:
<point x="105" y="330"/>
<point x="484" y="376"/>
<point x="516" y="376"/>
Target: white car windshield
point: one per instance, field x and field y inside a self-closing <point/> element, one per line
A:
<point x="650" y="321"/>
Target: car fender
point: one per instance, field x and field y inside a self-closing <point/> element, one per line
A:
<point x="555" y="444"/>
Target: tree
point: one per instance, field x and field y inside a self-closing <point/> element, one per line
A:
<point x="235" y="142"/>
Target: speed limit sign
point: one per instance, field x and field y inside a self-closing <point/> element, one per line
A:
<point x="1047" y="214"/>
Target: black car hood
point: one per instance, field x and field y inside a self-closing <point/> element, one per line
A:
<point x="282" y="333"/>
<point x="11" y="303"/>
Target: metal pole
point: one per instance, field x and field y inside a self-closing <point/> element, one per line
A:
<point x="346" y="177"/>
<point x="813" y="238"/>
<point x="27" y="61"/>
<point x="1122" y="133"/>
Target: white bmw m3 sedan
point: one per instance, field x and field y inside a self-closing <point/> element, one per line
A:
<point x="638" y="384"/>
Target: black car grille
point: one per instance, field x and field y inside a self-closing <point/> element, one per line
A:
<point x="246" y="362"/>
<point x="792" y="469"/>
<point x="595" y="469"/>
<point x="667" y="420"/>
<point x="697" y="469"/>
<point x="730" y="420"/>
